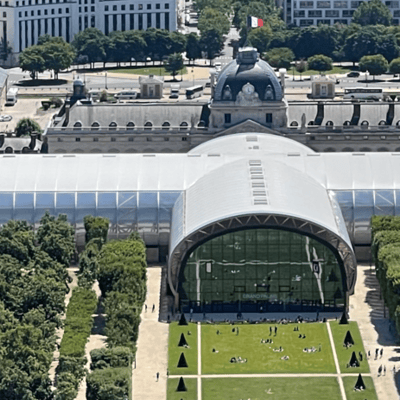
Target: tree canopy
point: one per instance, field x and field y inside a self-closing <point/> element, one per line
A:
<point x="279" y="57"/>
<point x="372" y="12"/>
<point x="174" y="64"/>
<point x="375" y="65"/>
<point x="26" y="126"/>
<point x="320" y="63"/>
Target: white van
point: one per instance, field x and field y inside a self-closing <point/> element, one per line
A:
<point x="125" y="95"/>
<point x="12" y="96"/>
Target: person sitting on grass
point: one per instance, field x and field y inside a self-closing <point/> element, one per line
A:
<point x="215" y="351"/>
<point x="285" y="358"/>
<point x="233" y="360"/>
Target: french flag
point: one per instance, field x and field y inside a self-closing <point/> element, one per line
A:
<point x="254" y="22"/>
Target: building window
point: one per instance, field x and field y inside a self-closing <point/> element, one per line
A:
<point x="149" y="6"/>
<point x="86" y="9"/>
<point x="158" y="6"/>
<point x="114" y="8"/>
<point x="167" y="6"/>
<point x="26" y="13"/>
<point x="60" y="10"/>
<point x="52" y="11"/>
<point x="331" y="13"/>
<point x="306" y="4"/>
<point x="227" y="118"/>
<point x="149" y="139"/>
<point x="113" y="139"/>
<point x="314" y="13"/>
<point x="59" y="139"/>
<point x="306" y="22"/>
<point x="92" y="8"/>
<point x="95" y="139"/>
<point x="340" y="4"/>
<point x="77" y="139"/>
<point x="38" y="13"/>
<point x="17" y="3"/>
<point x="131" y="7"/>
<point x="45" y="12"/>
<point x="268" y="118"/>
<point x="123" y="7"/>
<point x="106" y="8"/>
<point x="348" y="13"/>
<point x="130" y="139"/>
<point x="298" y="13"/>
<point x="20" y="14"/>
<point x="184" y="139"/>
<point x="140" y="6"/>
<point x="323" y="4"/>
<point x="32" y="13"/>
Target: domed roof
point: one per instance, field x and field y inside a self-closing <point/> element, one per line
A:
<point x="247" y="70"/>
<point x="78" y="82"/>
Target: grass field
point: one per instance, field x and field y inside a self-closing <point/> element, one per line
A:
<point x="191" y="394"/>
<point x="334" y="70"/>
<point x="175" y="331"/>
<point x="344" y="355"/>
<point x="159" y="71"/>
<point x="271" y="388"/>
<point x="260" y="357"/>
<point x="351" y="394"/>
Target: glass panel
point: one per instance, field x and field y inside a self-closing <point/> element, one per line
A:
<point x="293" y="272"/>
<point x="6" y="207"/>
<point x="127" y="208"/>
<point x="44" y="202"/>
<point x="167" y="201"/>
<point x="384" y="202"/>
<point x="107" y="207"/>
<point x="86" y="205"/>
<point x="65" y="204"/>
<point x="148" y="211"/>
<point x="24" y="207"/>
<point x="346" y="202"/>
<point x="397" y="195"/>
<point x="363" y="211"/>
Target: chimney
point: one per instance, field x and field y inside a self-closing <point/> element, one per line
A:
<point x="282" y="73"/>
<point x="2" y="138"/>
<point x="32" y="144"/>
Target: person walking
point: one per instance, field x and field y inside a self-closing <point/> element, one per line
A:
<point x="376" y="353"/>
<point x="270" y="330"/>
<point x="157" y="376"/>
<point x="276" y="330"/>
<point x="381" y="352"/>
<point x="360" y="355"/>
<point x="379" y="371"/>
<point x="369" y="353"/>
<point x="237" y="331"/>
<point x="153" y="308"/>
<point x="145" y="308"/>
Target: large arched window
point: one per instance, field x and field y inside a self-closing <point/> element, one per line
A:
<point x="148" y="125"/>
<point x="183" y="126"/>
<point x="77" y="125"/>
<point x="95" y="126"/>
<point x="112" y="126"/>
<point x="166" y="126"/>
<point x="130" y="126"/>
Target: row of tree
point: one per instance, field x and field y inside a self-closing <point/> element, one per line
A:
<point x="386" y="255"/>
<point x="33" y="284"/>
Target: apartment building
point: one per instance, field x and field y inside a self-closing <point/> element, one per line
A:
<point x="22" y="22"/>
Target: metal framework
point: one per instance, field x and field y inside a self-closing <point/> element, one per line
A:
<point x="341" y="249"/>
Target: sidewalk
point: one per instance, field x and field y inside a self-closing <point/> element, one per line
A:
<point x="367" y="309"/>
<point x="152" y="345"/>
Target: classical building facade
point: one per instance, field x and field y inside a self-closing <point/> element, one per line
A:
<point x="22" y="22"/>
<point x="247" y="96"/>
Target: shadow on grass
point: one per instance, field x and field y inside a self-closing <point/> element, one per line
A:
<point x="41" y="82"/>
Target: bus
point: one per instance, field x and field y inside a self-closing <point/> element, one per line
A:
<point x="363" y="93"/>
<point x="11" y="97"/>
<point x="194" y="91"/>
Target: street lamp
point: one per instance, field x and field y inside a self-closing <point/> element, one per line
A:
<point x="193" y="75"/>
<point x="105" y="76"/>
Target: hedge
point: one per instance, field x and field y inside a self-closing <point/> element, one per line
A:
<point x="108" y="383"/>
<point x="386" y="255"/>
<point x="111" y="357"/>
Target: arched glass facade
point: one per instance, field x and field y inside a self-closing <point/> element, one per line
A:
<point x="262" y="270"/>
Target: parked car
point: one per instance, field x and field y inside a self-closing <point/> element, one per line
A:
<point x="131" y="95"/>
<point x="353" y="74"/>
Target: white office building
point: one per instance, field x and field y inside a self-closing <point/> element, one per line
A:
<point x="313" y="12"/>
<point x="22" y="22"/>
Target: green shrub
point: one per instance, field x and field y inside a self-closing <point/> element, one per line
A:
<point x="384" y="223"/>
<point x="111" y="357"/>
<point x="88" y="264"/>
<point x="107" y="384"/>
<point x="381" y="239"/>
<point x="67" y="387"/>
<point x="96" y="227"/>
<point x="57" y="102"/>
<point x="78" y="322"/>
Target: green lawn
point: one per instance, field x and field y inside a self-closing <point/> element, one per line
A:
<point x="351" y="394"/>
<point x="260" y="357"/>
<point x="334" y="70"/>
<point x="344" y="355"/>
<point x="174" y="353"/>
<point x="191" y="394"/>
<point x="271" y="388"/>
<point x="159" y="71"/>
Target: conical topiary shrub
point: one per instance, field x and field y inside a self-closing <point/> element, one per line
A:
<point x="332" y="277"/>
<point x="360" y="385"/>
<point x="353" y="360"/>
<point x="344" y="320"/>
<point x="181" y="386"/>
<point x="348" y="339"/>
<point x="182" y="361"/>
<point x="182" y="320"/>
<point x="182" y="341"/>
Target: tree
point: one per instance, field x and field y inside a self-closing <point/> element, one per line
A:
<point x="5" y="49"/>
<point x="58" y="55"/>
<point x="280" y="57"/>
<point x="372" y="12"/>
<point x="211" y="42"/>
<point x="301" y="66"/>
<point x="26" y="126"/>
<point x="211" y="19"/>
<point x="135" y="45"/>
<point x="375" y="65"/>
<point x="394" y="66"/>
<point x="91" y="43"/>
<point x="193" y="50"/>
<point x="320" y="63"/>
<point x="31" y="60"/>
<point x="174" y="64"/>
<point x="260" y="38"/>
